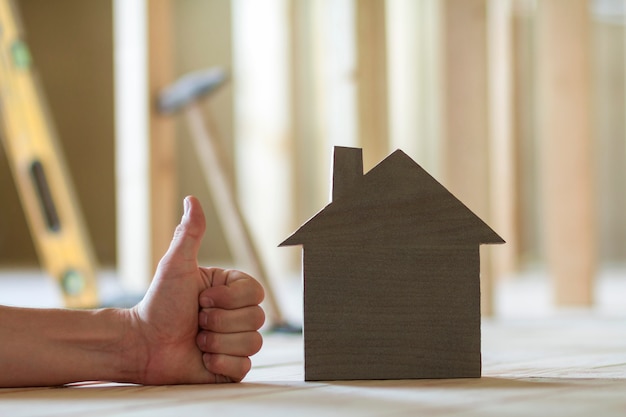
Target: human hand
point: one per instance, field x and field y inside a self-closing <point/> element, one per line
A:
<point x="166" y="323"/>
<point x="230" y="317"/>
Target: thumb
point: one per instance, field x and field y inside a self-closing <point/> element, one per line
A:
<point x="188" y="234"/>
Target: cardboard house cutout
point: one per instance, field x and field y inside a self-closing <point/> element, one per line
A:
<point x="391" y="276"/>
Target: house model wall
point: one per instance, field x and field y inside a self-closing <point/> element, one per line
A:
<point x="391" y="276"/>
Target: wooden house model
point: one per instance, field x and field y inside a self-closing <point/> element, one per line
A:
<point x="391" y="276"/>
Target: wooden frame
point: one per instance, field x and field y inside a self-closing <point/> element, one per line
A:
<point x="132" y="145"/>
<point x="465" y="156"/>
<point x="564" y="122"/>
<point x="372" y="80"/>
<point x="145" y="140"/>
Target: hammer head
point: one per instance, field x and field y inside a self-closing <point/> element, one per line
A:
<point x="190" y="88"/>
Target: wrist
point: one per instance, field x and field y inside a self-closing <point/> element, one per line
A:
<point x="110" y="346"/>
<point x="131" y="349"/>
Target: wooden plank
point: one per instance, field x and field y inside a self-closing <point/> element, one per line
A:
<point x="608" y="110"/>
<point x="502" y="143"/>
<point x="413" y="65"/>
<point x="373" y="119"/>
<point x="308" y="119"/>
<point x="132" y="146"/>
<point x="465" y="140"/>
<point x="564" y="128"/>
<point x="164" y="204"/>
<point x="145" y="141"/>
<point x="203" y="36"/>
<point x="570" y="366"/>
<point x="523" y="69"/>
<point x="323" y="95"/>
<point x="263" y="131"/>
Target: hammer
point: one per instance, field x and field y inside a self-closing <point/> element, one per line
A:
<point x="185" y="94"/>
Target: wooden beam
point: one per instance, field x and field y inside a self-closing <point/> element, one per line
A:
<point x="524" y="132"/>
<point x="465" y="144"/>
<point x="132" y="147"/>
<point x="262" y="125"/>
<point x="413" y="34"/>
<point x="373" y="123"/>
<point x="307" y="187"/>
<point x="323" y="96"/>
<point x="164" y="204"/>
<point x="564" y="123"/>
<point x="145" y="140"/>
<point x="503" y="161"/>
<point x="202" y="32"/>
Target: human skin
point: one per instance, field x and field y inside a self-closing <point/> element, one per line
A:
<point x="194" y="325"/>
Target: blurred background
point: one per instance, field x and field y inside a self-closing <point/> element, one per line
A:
<point x="516" y="106"/>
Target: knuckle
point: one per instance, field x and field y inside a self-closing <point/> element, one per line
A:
<point x="233" y="275"/>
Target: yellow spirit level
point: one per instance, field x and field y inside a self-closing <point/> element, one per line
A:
<point x="40" y="173"/>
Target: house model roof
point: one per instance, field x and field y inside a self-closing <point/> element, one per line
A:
<point x="397" y="200"/>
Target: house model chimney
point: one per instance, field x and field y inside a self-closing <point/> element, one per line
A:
<point x="347" y="169"/>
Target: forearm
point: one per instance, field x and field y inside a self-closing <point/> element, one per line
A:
<point x="41" y="347"/>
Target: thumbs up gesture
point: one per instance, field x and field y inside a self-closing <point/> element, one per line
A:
<point x="195" y="324"/>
